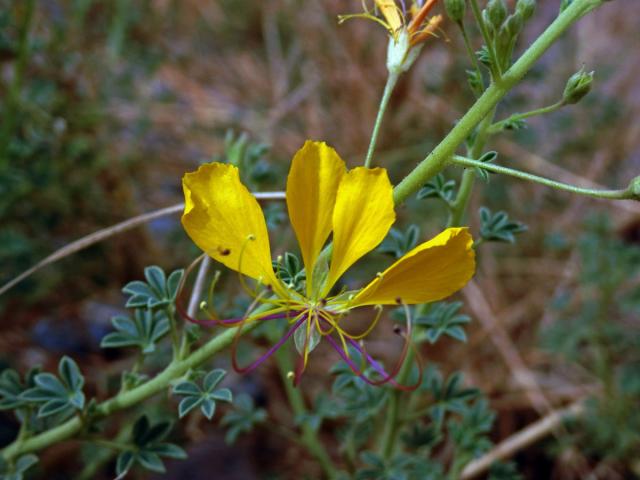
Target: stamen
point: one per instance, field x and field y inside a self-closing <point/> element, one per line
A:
<point x="267" y="354"/>
<point x="417" y="20"/>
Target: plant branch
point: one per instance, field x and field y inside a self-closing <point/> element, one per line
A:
<point x="498" y="126"/>
<point x="157" y="384"/>
<point x="439" y="156"/>
<point x="621" y="194"/>
<point x="107" y="232"/>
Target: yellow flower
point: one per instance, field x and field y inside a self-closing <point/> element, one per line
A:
<point x="225" y="220"/>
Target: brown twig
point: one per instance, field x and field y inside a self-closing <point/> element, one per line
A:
<point x="105" y="233"/>
<point x="512" y="358"/>
<point x="522" y="439"/>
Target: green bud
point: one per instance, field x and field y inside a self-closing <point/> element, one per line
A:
<point x="496" y="13"/>
<point x="513" y="26"/>
<point x="526" y="8"/>
<point x="455" y="9"/>
<point x="578" y="85"/>
<point x="634" y="188"/>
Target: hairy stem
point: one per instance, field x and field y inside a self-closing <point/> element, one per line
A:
<point x="622" y="194"/>
<point x="459" y="206"/>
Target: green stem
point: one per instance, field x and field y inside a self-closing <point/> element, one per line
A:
<point x="429" y="167"/>
<point x="437" y="159"/>
<point x="498" y="126"/>
<point x="392" y="79"/>
<point x="309" y="436"/>
<point x="622" y="194"/>
<point x="459" y="206"/>
<point x="159" y="383"/>
<point x="13" y="95"/>
<point x="391" y="423"/>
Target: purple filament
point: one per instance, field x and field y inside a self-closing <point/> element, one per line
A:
<point x="273" y="348"/>
<point x="376" y="366"/>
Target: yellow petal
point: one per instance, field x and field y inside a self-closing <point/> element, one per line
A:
<point x="225" y="220"/>
<point x="391" y="13"/>
<point x="431" y="271"/>
<point x="312" y="185"/>
<point x="362" y="217"/>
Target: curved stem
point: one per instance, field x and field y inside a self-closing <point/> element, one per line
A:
<point x="157" y="384"/>
<point x="621" y="194"/>
<point x="392" y="79"/>
<point x="498" y="126"/>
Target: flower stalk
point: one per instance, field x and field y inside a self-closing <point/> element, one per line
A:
<point x="618" y="194"/>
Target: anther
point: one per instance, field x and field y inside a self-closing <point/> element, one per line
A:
<point x="323" y="302"/>
<point x="251" y="237"/>
<point x="290" y="375"/>
<point x="203" y="305"/>
<point x="224" y="251"/>
<point x="399" y="301"/>
<point x="397" y="329"/>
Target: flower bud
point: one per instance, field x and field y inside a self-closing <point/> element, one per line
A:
<point x="496" y="13"/>
<point x="455" y="9"/>
<point x="578" y="85"/>
<point x="526" y="8"/>
<point x="513" y="26"/>
<point x="634" y="188"/>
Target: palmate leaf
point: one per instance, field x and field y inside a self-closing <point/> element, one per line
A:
<point x="397" y="242"/>
<point x="498" y="227"/>
<point x="12" y="388"/>
<point x="443" y="319"/>
<point x="438" y="187"/>
<point x="55" y="395"/>
<point x="157" y="291"/>
<point x="243" y="418"/>
<point x="148" y="448"/>
<point x="144" y="330"/>
<point x="204" y="396"/>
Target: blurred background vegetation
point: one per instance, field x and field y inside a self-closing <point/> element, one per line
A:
<point x="106" y="103"/>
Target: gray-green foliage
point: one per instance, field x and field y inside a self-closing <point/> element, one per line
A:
<point x="597" y="332"/>
<point x="203" y="395"/>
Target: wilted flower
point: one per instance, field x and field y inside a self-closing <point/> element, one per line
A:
<point x="408" y="29"/>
